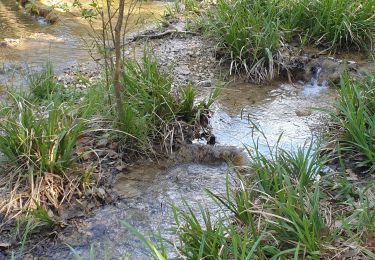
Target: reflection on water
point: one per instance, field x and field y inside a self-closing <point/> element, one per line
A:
<point x="31" y="42"/>
<point x="287" y="110"/>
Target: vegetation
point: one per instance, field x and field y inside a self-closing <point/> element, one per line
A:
<point x="43" y="86"/>
<point x="252" y="33"/>
<point x="151" y="106"/>
<point x="37" y="139"/>
<point x="283" y="209"/>
<point x="355" y="121"/>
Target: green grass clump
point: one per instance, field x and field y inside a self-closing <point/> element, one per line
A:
<point x="284" y="208"/>
<point x="252" y="33"/>
<point x="249" y="34"/>
<point x="37" y="138"/>
<point x="337" y="24"/>
<point x="356" y="120"/>
<point x="42" y="85"/>
<point x="272" y="213"/>
<point x="149" y="104"/>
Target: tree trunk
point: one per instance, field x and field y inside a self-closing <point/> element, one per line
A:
<point x="117" y="45"/>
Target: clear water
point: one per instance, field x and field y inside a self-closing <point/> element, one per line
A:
<point x="32" y="42"/>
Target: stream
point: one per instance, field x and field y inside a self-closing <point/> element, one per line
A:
<point x="29" y="42"/>
<point x="146" y="192"/>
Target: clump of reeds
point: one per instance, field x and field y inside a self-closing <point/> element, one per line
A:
<point x="251" y="34"/>
<point x="355" y="120"/>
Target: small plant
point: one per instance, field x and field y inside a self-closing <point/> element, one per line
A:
<point x="356" y="121"/>
<point x="39" y="139"/>
<point x="35" y="221"/>
<point x="43" y="84"/>
<point x="31" y="6"/>
<point x="150" y="105"/>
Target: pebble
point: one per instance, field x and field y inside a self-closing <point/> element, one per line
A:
<point x="204" y="84"/>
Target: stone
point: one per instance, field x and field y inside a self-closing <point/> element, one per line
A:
<point x="183" y="70"/>
<point x="204" y="84"/>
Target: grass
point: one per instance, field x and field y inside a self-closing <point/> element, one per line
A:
<point x="251" y="34"/>
<point x="37" y="138"/>
<point x="337" y="24"/>
<point x="356" y="121"/>
<point x="283" y="209"/>
<point x="43" y="85"/>
<point x="271" y="214"/>
<point x="38" y="135"/>
<point x="151" y="108"/>
<point x="248" y="33"/>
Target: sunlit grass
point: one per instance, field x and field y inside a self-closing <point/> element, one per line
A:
<point x="252" y="33"/>
<point x="150" y="105"/>
<point x="39" y="138"/>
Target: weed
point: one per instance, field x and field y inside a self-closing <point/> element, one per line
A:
<point x="252" y="33"/>
<point x="356" y="121"/>
<point x="336" y="23"/>
<point x="150" y="105"/>
<point x="34" y="138"/>
<point x="36" y="221"/>
<point x="43" y="85"/>
<point x="249" y="35"/>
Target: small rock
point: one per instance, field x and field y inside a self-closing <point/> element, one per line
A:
<point x="302" y="113"/>
<point x="101" y="191"/>
<point x="102" y="143"/>
<point x="183" y="70"/>
<point x="51" y="18"/>
<point x="326" y="170"/>
<point x="204" y="84"/>
<point x="120" y="167"/>
<point x="4" y="245"/>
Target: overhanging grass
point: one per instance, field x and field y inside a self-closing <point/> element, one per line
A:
<point x="251" y="33"/>
<point x="284" y="208"/>
<point x="271" y="213"/>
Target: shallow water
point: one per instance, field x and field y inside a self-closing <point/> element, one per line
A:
<point x="279" y="109"/>
<point x="146" y="192"/>
<point x="31" y="42"/>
